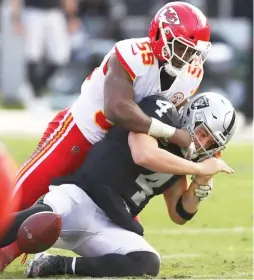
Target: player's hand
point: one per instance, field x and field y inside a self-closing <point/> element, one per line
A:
<point x="182" y="138"/>
<point x="204" y="186"/>
<point x="213" y="166"/>
<point x="202" y="192"/>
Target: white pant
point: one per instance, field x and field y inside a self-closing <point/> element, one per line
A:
<point x="46" y="33"/>
<point x="86" y="229"/>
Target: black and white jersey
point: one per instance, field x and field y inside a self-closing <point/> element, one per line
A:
<point x="109" y="163"/>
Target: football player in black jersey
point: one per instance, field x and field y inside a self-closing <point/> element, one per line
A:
<point x="119" y="177"/>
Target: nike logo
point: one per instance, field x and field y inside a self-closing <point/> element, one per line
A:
<point x="133" y="52"/>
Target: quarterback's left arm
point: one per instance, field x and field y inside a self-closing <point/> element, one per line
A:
<point x="183" y="201"/>
<point x="146" y="153"/>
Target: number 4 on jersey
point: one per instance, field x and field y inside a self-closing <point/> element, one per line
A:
<point x="164" y="106"/>
<point x="148" y="183"/>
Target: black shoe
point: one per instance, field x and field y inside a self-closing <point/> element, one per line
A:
<point x="46" y="265"/>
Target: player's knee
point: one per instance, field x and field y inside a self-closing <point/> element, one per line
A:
<point x="148" y="262"/>
<point x="60" y="201"/>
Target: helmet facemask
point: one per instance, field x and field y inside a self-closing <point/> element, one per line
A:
<point x="190" y="54"/>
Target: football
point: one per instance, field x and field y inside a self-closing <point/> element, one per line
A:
<point x="39" y="232"/>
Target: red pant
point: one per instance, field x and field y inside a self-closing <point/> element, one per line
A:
<point x="61" y="151"/>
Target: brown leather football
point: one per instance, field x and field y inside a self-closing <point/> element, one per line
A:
<point x="39" y="232"/>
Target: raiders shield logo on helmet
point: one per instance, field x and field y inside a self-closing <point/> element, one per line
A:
<point x="200" y="103"/>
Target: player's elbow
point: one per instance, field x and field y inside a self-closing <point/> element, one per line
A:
<point x="112" y="110"/>
<point x="175" y="218"/>
<point x="141" y="157"/>
<point x="142" y="148"/>
<point x="179" y="221"/>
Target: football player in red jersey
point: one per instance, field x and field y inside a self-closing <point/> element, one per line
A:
<point x="169" y="61"/>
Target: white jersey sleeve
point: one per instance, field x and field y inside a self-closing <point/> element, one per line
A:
<point x="135" y="55"/>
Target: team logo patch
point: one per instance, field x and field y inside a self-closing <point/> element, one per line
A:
<point x="177" y="98"/>
<point x="200" y="103"/>
<point x="75" y="149"/>
<point x="170" y="16"/>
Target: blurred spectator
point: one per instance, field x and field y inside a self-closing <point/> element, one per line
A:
<point x="141" y="7"/>
<point x="245" y="10"/>
<point x="238" y="9"/>
<point x="101" y="18"/>
<point x="44" y="26"/>
<point x="100" y="28"/>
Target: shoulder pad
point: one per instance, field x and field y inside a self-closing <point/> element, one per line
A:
<point x="159" y="107"/>
<point x="135" y="55"/>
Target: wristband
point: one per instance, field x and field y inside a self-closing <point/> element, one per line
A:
<point x="160" y="129"/>
<point x="182" y="212"/>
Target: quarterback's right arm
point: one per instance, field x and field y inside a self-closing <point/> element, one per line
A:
<point x="183" y="201"/>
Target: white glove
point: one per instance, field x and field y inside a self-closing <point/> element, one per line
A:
<point x="202" y="191"/>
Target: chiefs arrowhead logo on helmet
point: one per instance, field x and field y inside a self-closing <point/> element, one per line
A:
<point x="170" y="16"/>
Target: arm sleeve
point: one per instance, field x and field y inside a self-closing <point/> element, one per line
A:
<point x="131" y="56"/>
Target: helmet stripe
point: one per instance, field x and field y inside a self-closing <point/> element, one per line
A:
<point x="227" y="131"/>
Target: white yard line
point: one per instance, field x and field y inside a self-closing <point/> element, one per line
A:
<point x="167" y="231"/>
<point x="179" y="256"/>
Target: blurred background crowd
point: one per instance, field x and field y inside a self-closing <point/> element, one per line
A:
<point x="48" y="47"/>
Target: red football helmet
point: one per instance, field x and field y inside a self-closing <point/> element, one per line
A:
<point x="179" y="24"/>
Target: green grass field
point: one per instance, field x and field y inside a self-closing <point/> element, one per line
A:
<point x="216" y="244"/>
